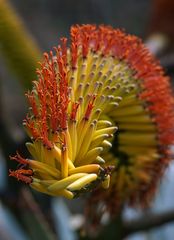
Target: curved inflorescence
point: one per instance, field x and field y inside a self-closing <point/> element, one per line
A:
<point x="101" y="116"/>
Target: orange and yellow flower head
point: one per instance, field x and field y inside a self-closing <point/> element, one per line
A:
<point x="101" y="119"/>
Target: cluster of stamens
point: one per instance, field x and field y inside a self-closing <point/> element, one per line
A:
<point x="106" y="80"/>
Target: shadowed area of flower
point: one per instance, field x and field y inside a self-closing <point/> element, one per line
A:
<point x="104" y="81"/>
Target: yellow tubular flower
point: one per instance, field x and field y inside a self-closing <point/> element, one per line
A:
<point x="100" y="106"/>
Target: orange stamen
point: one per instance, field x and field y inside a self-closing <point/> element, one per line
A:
<point x="20" y="175"/>
<point x="89" y="108"/>
<point x="19" y="159"/>
<point x="74" y="111"/>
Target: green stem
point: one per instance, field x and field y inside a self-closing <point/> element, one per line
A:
<point x="17" y="46"/>
<point x="113" y="231"/>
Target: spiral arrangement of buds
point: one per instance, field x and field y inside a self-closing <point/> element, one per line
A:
<point x="101" y="120"/>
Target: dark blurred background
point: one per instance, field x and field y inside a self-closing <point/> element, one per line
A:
<point x="48" y="20"/>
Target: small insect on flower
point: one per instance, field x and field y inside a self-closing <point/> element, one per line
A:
<point x="104" y="81"/>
